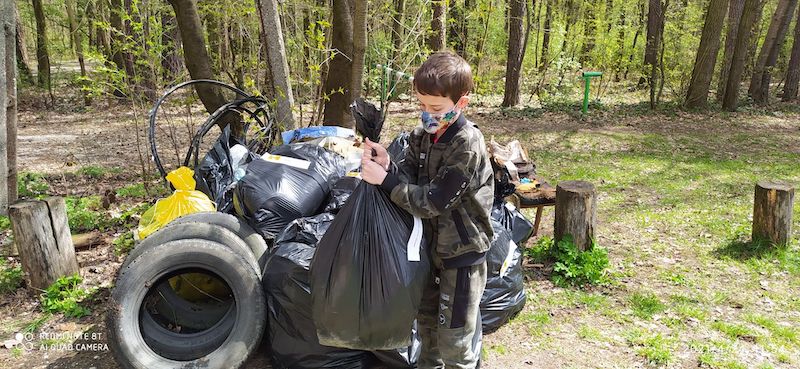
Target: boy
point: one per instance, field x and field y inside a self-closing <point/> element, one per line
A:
<point x="446" y="178"/>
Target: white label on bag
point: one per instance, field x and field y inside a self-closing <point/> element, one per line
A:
<point x="509" y="258"/>
<point x="285" y="160"/>
<point x="415" y="240"/>
<point x="510" y="206"/>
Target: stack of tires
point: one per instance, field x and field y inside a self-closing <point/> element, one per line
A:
<point x="190" y="295"/>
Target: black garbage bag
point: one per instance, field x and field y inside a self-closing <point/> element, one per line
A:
<point x="340" y="193"/>
<point x="273" y="194"/>
<point x="513" y="220"/>
<point x="398" y="148"/>
<point x="369" y="120"/>
<point x="214" y="174"/>
<point x="291" y="333"/>
<point x="503" y="187"/>
<point x="504" y="295"/>
<point x="365" y="290"/>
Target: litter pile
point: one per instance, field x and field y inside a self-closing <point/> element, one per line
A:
<point x="281" y="243"/>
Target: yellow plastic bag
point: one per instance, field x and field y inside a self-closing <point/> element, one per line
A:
<point x="185" y="200"/>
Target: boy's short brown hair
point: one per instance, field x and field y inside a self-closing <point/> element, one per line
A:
<point x="444" y="74"/>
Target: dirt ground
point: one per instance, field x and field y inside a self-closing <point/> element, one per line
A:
<point x="58" y="142"/>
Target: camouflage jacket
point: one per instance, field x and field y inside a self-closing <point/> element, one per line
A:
<point x="449" y="183"/>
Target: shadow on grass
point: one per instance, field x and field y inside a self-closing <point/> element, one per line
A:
<point x="742" y="250"/>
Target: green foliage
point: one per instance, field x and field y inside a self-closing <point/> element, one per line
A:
<point x="37" y="323"/>
<point x="574" y="267"/>
<point x="124" y="243"/>
<point x="83" y="213"/>
<point x="136" y="190"/>
<point x="5" y="223"/>
<point x="653" y="347"/>
<point x="65" y="296"/>
<point x="540" y="250"/>
<point x="32" y="185"/>
<point x="646" y="305"/>
<point x="10" y="277"/>
<point x="93" y="171"/>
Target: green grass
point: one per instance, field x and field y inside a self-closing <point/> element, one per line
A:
<point x="645" y="305"/>
<point x="123" y="244"/>
<point x="66" y="296"/>
<point x="732" y="330"/>
<point x="10" y="277"/>
<point x="136" y="190"/>
<point x="5" y="223"/>
<point x="535" y="321"/>
<point x="654" y="348"/>
<point x="32" y="185"/>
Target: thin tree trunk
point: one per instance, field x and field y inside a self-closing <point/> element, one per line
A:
<point x="697" y="97"/>
<point x="759" y="83"/>
<point x="397" y="27"/>
<point x="23" y="64"/>
<point x="338" y="87"/>
<point x="636" y="35"/>
<point x="735" y="8"/>
<point x="548" y="20"/>
<point x="588" y="33"/>
<point x="276" y="56"/>
<point x="654" y="14"/>
<point x="620" y="44"/>
<point x="77" y="43"/>
<point x="740" y="52"/>
<point x="171" y="62"/>
<point x="454" y="27"/>
<point x="438" y="35"/>
<point x="42" y="56"/>
<point x="570" y="20"/>
<point x="793" y="71"/>
<point x="10" y="17"/>
<point x="359" y="45"/>
<point x="514" y="60"/>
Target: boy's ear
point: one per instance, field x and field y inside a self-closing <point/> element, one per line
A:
<point x="463" y="101"/>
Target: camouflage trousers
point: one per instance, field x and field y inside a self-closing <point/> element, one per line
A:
<point x="449" y="318"/>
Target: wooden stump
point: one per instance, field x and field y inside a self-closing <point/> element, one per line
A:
<point x="772" y="212"/>
<point x="42" y="235"/>
<point x="576" y="205"/>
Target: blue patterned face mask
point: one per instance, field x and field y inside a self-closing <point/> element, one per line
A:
<point x="431" y="123"/>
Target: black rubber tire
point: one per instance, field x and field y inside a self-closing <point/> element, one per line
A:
<point x="254" y="240"/>
<point x="185" y="346"/>
<point x="158" y="263"/>
<point x="192" y="315"/>
<point x="194" y="230"/>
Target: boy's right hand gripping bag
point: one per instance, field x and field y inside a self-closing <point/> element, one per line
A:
<point x="368" y="274"/>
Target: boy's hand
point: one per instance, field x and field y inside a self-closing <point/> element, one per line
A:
<point x="377" y="153"/>
<point x="371" y="172"/>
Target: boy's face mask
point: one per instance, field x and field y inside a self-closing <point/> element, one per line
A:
<point x="432" y="123"/>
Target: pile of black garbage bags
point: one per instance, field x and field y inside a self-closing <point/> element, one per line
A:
<point x="346" y="267"/>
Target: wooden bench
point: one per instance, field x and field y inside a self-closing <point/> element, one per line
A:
<point x="544" y="195"/>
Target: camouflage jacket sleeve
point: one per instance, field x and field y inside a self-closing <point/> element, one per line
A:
<point x="443" y="192"/>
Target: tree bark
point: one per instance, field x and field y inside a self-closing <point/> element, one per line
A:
<point x="570" y="19"/>
<point x="77" y="42"/>
<point x="42" y="56"/>
<point x="170" y="61"/>
<point x="42" y="236"/>
<point x="515" y="46"/>
<point x="735" y="8"/>
<point x="338" y="87"/>
<point x="759" y="83"/>
<point x="588" y="33"/>
<point x="455" y="27"/>
<point x="197" y="61"/>
<point x="548" y="20"/>
<point x="359" y="45"/>
<point x="740" y="52"/>
<point x="793" y="71"/>
<point x="23" y="65"/>
<point x="772" y="213"/>
<point x="276" y="57"/>
<point x="438" y="35"/>
<point x="706" y="59"/>
<point x="7" y="24"/>
<point x="576" y="213"/>
<point x="620" y="45"/>
<point x="654" y="15"/>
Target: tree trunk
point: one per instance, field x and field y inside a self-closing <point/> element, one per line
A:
<point x="359" y="45"/>
<point x="8" y="37"/>
<point x="772" y="213"/>
<point x="23" y="65"/>
<point x="514" y="60"/>
<point x="620" y="45"/>
<point x="697" y="96"/>
<point x="570" y="20"/>
<point x="588" y="33"/>
<point x="397" y="26"/>
<point x="793" y="71"/>
<point x="759" y="83"/>
<point x="171" y="62"/>
<point x="276" y="58"/>
<point x="42" y="236"/>
<point x="735" y="8"/>
<point x="548" y="21"/>
<point x="576" y="213"/>
<point x="654" y="14"/>
<point x="455" y="27"/>
<point x="438" y="35"/>
<point x="77" y="42"/>
<point x="636" y="35"/>
<point x="739" y="55"/>
<point x="42" y="56"/>
<point x="338" y="87"/>
<point x="197" y="61"/>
